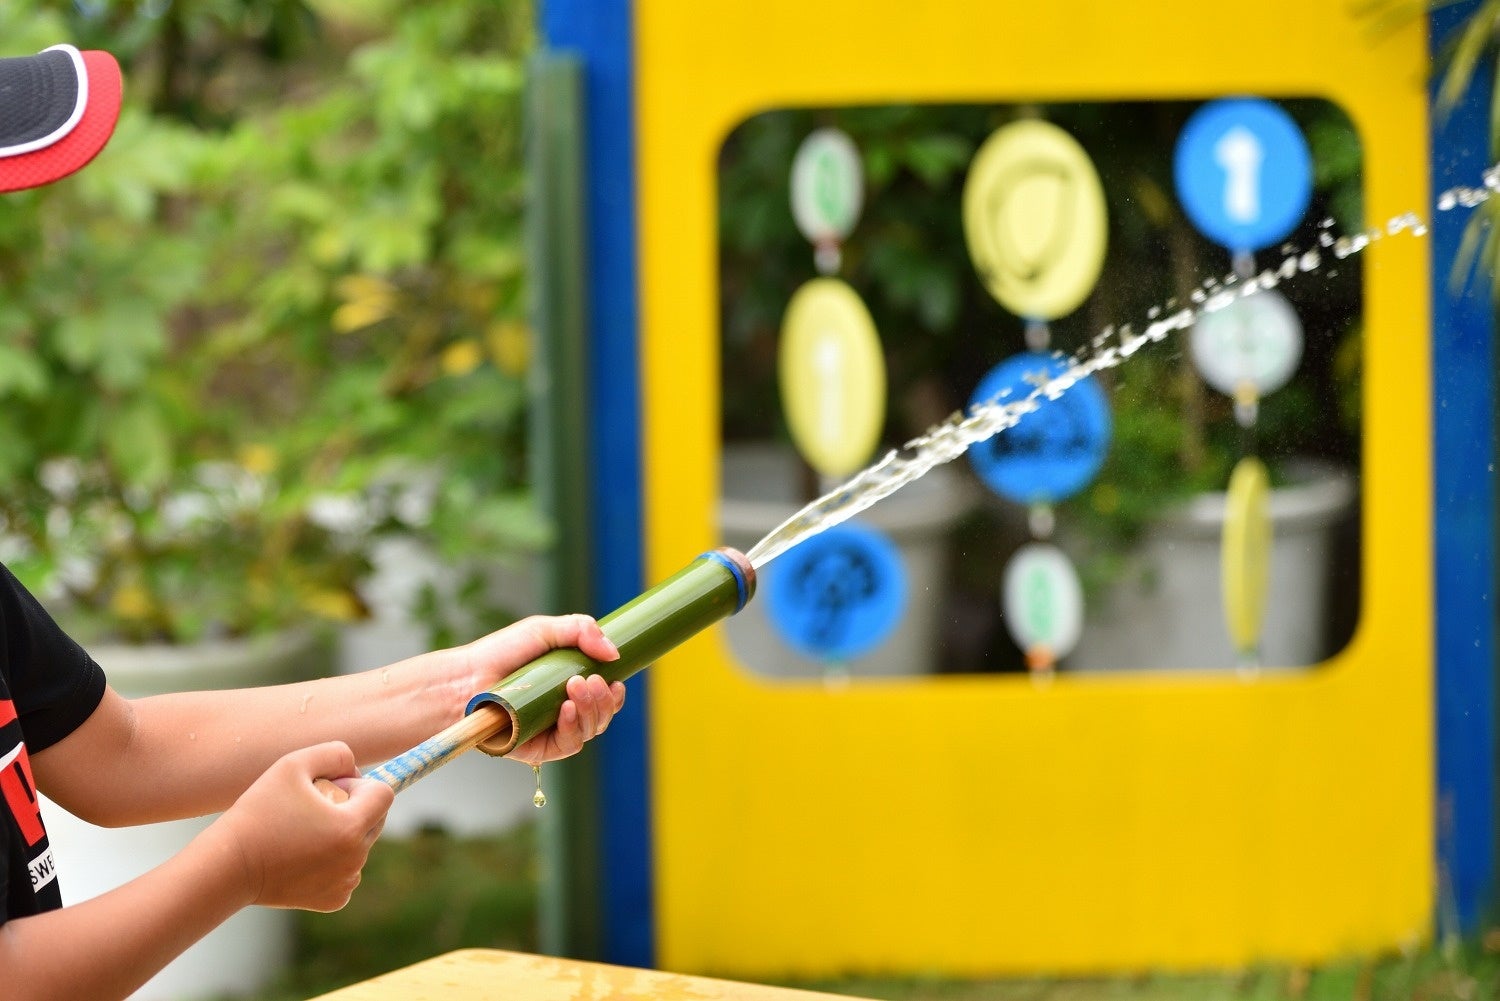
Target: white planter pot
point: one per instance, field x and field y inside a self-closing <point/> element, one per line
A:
<point x="1166" y="610"/>
<point x="248" y="951"/>
<point x="761" y="490"/>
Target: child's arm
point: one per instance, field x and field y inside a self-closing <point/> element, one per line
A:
<point x="202" y="749"/>
<point x="284" y="843"/>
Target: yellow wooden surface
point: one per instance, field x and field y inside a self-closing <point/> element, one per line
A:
<point x="483" y="974"/>
<point x="982" y="824"/>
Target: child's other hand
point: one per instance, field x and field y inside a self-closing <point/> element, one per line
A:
<point x="303" y="830"/>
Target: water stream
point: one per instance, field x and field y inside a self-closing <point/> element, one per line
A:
<point x="951" y="438"/>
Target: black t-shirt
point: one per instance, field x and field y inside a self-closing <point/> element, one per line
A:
<point x="48" y="687"/>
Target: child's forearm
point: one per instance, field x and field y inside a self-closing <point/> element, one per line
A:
<point x="207" y="747"/>
<point x="202" y="749"/>
<point x="110" y="945"/>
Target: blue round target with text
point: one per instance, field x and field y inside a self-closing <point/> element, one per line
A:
<point x="838" y="594"/>
<point x="1055" y="450"/>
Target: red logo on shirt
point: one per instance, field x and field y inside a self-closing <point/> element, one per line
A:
<point x="17" y="787"/>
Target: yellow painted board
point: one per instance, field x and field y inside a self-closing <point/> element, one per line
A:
<point x="981" y="824"/>
<point x="493" y="974"/>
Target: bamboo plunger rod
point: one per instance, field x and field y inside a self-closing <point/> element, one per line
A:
<point x="483" y="723"/>
<point x="526" y="702"/>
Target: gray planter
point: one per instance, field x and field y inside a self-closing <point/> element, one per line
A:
<point x="247" y="952"/>
<point x="760" y="490"/>
<point x="1166" y="611"/>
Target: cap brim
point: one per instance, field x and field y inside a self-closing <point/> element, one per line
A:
<point x="82" y="142"/>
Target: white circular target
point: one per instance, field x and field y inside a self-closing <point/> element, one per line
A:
<point x="1255" y="341"/>
<point x="828" y="187"/>
<point x="1043" y="600"/>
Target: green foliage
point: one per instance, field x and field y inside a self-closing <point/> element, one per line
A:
<point x="426" y="895"/>
<point x="1464" y="972"/>
<point x="279" y="317"/>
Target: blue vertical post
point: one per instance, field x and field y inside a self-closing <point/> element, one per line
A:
<point x="600" y="33"/>
<point x="1463" y="402"/>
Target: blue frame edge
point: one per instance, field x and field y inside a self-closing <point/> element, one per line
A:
<point x="1463" y="419"/>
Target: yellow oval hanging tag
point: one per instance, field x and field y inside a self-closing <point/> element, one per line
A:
<point x="832" y="375"/>
<point x="1034" y="219"/>
<point x="1246" y="554"/>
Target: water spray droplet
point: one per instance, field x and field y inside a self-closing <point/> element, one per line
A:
<point x="1218" y="301"/>
<point x="538" y="798"/>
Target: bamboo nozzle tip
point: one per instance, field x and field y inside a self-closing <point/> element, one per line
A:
<point x="742" y="564"/>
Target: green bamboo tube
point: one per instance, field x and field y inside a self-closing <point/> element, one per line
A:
<point x="712" y="587"/>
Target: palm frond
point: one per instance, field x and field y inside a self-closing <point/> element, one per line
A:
<point x="1472" y="246"/>
<point x="1475" y="38"/>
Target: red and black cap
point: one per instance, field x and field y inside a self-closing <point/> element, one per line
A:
<point x="57" y="110"/>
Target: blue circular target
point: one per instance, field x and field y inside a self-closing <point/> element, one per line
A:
<point x="1052" y="452"/>
<point x="838" y="594"/>
<point x="1243" y="172"/>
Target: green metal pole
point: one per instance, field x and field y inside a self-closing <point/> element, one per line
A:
<point x="556" y="228"/>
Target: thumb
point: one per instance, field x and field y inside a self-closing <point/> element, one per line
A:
<point x="333" y="790"/>
<point x="371" y="798"/>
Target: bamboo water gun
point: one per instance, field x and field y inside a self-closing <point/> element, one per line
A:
<point x="525" y="703"/>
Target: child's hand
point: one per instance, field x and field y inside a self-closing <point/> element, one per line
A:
<point x="585" y="714"/>
<point x="302" y="838"/>
<point x="591" y="702"/>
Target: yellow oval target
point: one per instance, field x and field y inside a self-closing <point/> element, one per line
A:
<point x="1034" y="219"/>
<point x="1246" y="553"/>
<point x="832" y="376"/>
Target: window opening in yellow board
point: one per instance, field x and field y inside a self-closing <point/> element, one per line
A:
<point x="1132" y="531"/>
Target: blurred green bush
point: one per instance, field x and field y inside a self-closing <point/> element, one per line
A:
<point x="278" y="319"/>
